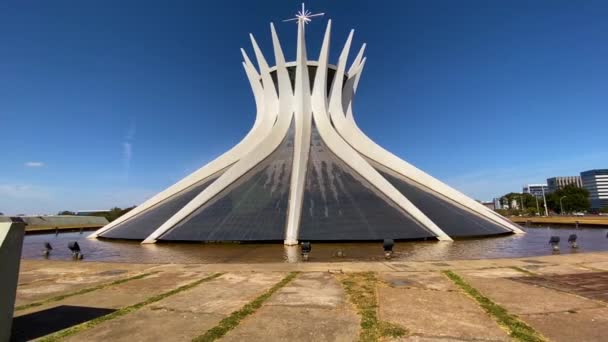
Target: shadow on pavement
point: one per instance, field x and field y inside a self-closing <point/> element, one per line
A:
<point x="40" y="323"/>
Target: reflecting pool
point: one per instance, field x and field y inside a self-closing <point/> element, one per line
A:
<point x="534" y="243"/>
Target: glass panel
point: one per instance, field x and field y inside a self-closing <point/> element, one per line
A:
<point x="252" y="208"/>
<point x="144" y="224"/>
<point x="339" y="204"/>
<point x="312" y="71"/>
<point x="450" y="217"/>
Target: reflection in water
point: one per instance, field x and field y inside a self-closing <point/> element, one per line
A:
<point x="534" y="243"/>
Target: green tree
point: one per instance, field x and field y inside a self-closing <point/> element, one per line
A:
<point x="530" y="202"/>
<point x="531" y="211"/>
<point x="503" y="212"/>
<point x="66" y="212"/>
<point x="527" y="203"/>
<point x="574" y="199"/>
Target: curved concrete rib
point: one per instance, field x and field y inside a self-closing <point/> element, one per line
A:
<point x="261" y="128"/>
<point x="344" y="151"/>
<point x="268" y="144"/>
<point x="348" y="129"/>
<point x="286" y="96"/>
<point x="303" y="122"/>
<point x="354" y="74"/>
<point x="271" y="97"/>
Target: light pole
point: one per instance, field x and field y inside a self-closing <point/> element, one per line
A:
<point x="537" y="207"/>
<point x="561" y="205"/>
<point x="545" y="201"/>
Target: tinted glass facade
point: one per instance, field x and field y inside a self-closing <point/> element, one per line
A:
<point x="450" y="217"/>
<point x="144" y="224"/>
<point x="252" y="208"/>
<point x="596" y="182"/>
<point x="312" y="71"/>
<point x="340" y="205"/>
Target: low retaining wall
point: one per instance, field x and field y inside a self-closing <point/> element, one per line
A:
<point x="37" y="223"/>
<point x="567" y="220"/>
<point x="42" y="223"/>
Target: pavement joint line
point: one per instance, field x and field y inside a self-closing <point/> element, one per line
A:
<point x="387" y="264"/>
<point x="235" y="318"/>
<point x="81" y="291"/>
<point x="408" y="287"/>
<point x="453" y="338"/>
<point x="39" y="280"/>
<point x="158" y="308"/>
<point x="60" y="335"/>
<point x="591" y="268"/>
<point x="361" y="288"/>
<point x="524" y="271"/>
<point x="571" y="311"/>
<point x="518" y="330"/>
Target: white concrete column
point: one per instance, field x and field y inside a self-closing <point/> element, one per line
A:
<point x="11" y="242"/>
<point x="303" y="123"/>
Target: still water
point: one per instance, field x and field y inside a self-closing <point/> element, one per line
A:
<point x="534" y="243"/>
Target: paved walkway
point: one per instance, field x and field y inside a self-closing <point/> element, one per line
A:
<point x="561" y="297"/>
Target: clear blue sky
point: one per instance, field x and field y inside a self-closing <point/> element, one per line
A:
<point x="104" y="103"/>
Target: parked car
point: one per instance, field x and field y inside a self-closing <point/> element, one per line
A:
<point x="578" y="214"/>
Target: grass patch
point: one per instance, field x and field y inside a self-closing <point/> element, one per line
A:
<point x="388" y="329"/>
<point x="361" y="290"/>
<point x="522" y="270"/>
<point x="82" y="291"/>
<point x="518" y="330"/>
<point x="121" y="312"/>
<point x="232" y="321"/>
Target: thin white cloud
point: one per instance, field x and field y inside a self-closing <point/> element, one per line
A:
<point x="127" y="148"/>
<point x="34" y="164"/>
<point x="127" y="155"/>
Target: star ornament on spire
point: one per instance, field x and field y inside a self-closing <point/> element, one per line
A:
<point x="304" y="16"/>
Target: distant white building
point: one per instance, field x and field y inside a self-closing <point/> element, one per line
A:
<point x="91" y="212"/>
<point x="535" y="189"/>
<point x="497" y="204"/>
<point x="556" y="183"/>
<point x="514" y="204"/>
<point x="488" y="204"/>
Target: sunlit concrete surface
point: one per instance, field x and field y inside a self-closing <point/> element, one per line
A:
<point x="429" y="304"/>
<point x="40" y="279"/>
<point x="187" y="314"/>
<point x="558" y="315"/>
<point x="312" y="308"/>
<point x="416" y="296"/>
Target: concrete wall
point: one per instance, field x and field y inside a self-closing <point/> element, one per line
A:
<point x="63" y="221"/>
<point x="11" y="241"/>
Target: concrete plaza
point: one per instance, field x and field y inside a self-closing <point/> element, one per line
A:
<point x="560" y="297"/>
